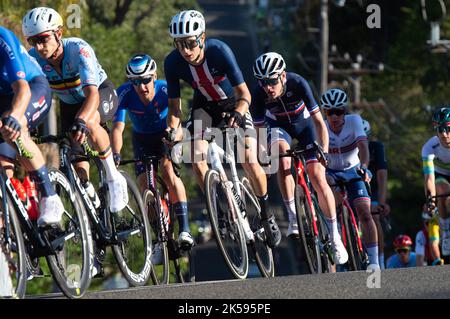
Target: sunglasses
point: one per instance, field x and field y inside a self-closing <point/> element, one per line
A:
<point x="40" y="39"/>
<point x="269" y="82"/>
<point x="187" y="44"/>
<point x="145" y="81"/>
<point x="335" y="112"/>
<point x="402" y="251"/>
<point x="442" y="129"/>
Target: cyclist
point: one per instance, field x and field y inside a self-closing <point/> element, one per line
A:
<point x="144" y="98"/>
<point x="25" y="99"/>
<point x="378" y="186"/>
<point x="210" y="67"/>
<point x="436" y="160"/>
<point x="349" y="158"/>
<point x="87" y="96"/>
<point x="404" y="257"/>
<point x="284" y="102"/>
<point x="427" y="241"/>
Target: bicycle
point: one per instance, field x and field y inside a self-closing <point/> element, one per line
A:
<point x="312" y="226"/>
<point x="162" y="217"/>
<point x="127" y="232"/>
<point x="350" y="232"/>
<point x="67" y="246"/>
<point x="235" y="213"/>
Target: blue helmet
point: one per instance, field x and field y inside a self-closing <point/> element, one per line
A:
<point x="140" y="66"/>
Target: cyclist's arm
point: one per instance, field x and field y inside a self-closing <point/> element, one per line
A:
<point x="364" y="155"/>
<point x="322" y="131"/>
<point x="382" y="188"/>
<point x="116" y="136"/>
<point x="243" y="98"/>
<point x="22" y="96"/>
<point x="430" y="188"/>
<point x="174" y="113"/>
<point x="90" y="104"/>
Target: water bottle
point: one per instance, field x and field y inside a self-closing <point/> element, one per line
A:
<point x="30" y="188"/>
<point x="92" y="194"/>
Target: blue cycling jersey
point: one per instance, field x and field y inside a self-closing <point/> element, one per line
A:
<point x="214" y="78"/>
<point x="79" y="68"/>
<point x="288" y="109"/>
<point x="394" y="261"/>
<point x="15" y="62"/>
<point x="149" y="118"/>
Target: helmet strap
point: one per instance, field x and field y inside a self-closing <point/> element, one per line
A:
<point x="53" y="56"/>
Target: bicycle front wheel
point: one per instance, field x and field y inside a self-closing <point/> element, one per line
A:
<point x="134" y="250"/>
<point x="13" y="268"/>
<point x="160" y="254"/>
<point x="228" y="231"/>
<point x="310" y="240"/>
<point x="263" y="253"/>
<point x="71" y="264"/>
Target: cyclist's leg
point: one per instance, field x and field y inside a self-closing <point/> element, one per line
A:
<point x="258" y="180"/>
<point x="380" y="234"/>
<point x="433" y="240"/>
<point x="360" y="199"/>
<point x="443" y="187"/>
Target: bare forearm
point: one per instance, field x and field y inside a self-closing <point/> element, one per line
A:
<point x="174" y="114"/>
<point x="117" y="140"/>
<point x="364" y="155"/>
<point x="382" y="185"/>
<point x="322" y="132"/>
<point x="243" y="98"/>
<point x="429" y="186"/>
<point x="90" y="104"/>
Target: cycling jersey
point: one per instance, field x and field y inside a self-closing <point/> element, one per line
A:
<point x="377" y="161"/>
<point x="394" y="261"/>
<point x="295" y="105"/>
<point x="423" y="246"/>
<point x="435" y="157"/>
<point x="80" y="68"/>
<point x="15" y="62"/>
<point x="214" y="79"/>
<point x="343" y="150"/>
<point x="150" y="118"/>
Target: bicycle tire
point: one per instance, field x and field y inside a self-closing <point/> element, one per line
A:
<point x="19" y="277"/>
<point x="236" y="259"/>
<point x="310" y="241"/>
<point x="132" y="222"/>
<point x="262" y="252"/>
<point x="72" y="279"/>
<point x="354" y="257"/>
<point x="159" y="272"/>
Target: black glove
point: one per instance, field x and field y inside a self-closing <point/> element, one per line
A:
<point x="12" y="123"/>
<point x="116" y="158"/>
<point x="238" y="118"/>
<point x="170" y="135"/>
<point x="79" y="126"/>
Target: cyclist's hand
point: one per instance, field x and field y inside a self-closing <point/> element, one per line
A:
<point x="385" y="209"/>
<point x="116" y="158"/>
<point x="365" y="174"/>
<point x="325" y="159"/>
<point x="235" y="119"/>
<point x="79" y="130"/>
<point x="431" y="206"/>
<point x="169" y="135"/>
<point x="10" y="128"/>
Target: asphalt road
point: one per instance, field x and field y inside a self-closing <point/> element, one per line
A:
<point x="408" y="283"/>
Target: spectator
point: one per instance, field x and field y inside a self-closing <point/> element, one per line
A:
<point x="404" y="257"/>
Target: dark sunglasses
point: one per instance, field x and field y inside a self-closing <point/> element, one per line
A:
<point x="145" y="81"/>
<point x="40" y="39"/>
<point x="402" y="251"/>
<point x="337" y="112"/>
<point x="187" y="44"/>
<point x="442" y="129"/>
<point x="269" y="82"/>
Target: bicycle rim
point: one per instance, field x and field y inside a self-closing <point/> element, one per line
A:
<point x="13" y="272"/>
<point x="310" y="241"/>
<point x="263" y="253"/>
<point x="230" y="240"/>
<point x="71" y="264"/>
<point x="133" y="253"/>
<point x="354" y="258"/>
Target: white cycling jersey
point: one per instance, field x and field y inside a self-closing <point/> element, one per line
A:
<point x="343" y="150"/>
<point x="435" y="157"/>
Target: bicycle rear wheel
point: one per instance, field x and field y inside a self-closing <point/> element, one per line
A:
<point x="13" y="269"/>
<point x="263" y="253"/>
<point x="310" y="240"/>
<point x="228" y="232"/>
<point x="71" y="264"/>
<point x="134" y="250"/>
<point x="355" y="259"/>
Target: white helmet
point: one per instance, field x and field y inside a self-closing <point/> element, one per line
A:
<point x="268" y="64"/>
<point x="140" y="66"/>
<point x="187" y="23"/>
<point x="366" y="126"/>
<point x="39" y="20"/>
<point x="334" y="99"/>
